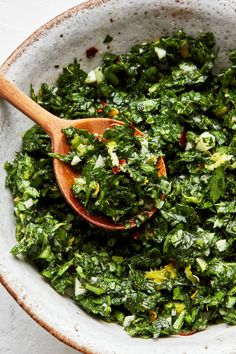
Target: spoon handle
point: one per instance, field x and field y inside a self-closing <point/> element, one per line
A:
<point x="17" y="98"/>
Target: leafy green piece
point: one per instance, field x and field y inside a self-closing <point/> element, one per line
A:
<point x="217" y="185"/>
<point x="108" y="39"/>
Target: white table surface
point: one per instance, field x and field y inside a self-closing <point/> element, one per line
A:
<point x="19" y="334"/>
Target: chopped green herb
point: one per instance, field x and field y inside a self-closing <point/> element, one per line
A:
<point x="177" y="273"/>
<point x="217" y="184"/>
<point x="108" y="39"/>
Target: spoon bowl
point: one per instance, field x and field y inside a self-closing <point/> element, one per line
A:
<point x="64" y="174"/>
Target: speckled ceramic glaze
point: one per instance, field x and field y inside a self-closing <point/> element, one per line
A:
<point x="35" y="61"/>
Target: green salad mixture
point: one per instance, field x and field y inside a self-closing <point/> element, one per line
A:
<point x="177" y="272"/>
<point x="118" y="172"/>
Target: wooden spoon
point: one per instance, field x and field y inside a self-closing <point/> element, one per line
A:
<point x="53" y="125"/>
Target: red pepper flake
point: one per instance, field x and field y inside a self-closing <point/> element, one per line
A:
<point x="91" y="52"/>
<point x="137" y="234"/>
<point x="187" y="333"/>
<point x="116" y="169"/>
<point x="122" y="162"/>
<point x="183" y="138"/>
<point x="104" y="103"/>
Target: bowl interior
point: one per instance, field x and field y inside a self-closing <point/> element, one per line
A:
<point x="35" y="61"/>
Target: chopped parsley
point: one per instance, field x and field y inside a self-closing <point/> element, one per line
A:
<point x="108" y="39"/>
<point x="177" y="272"/>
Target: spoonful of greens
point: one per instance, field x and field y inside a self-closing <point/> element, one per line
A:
<point x="110" y="173"/>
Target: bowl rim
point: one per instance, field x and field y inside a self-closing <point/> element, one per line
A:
<point x="39" y="32"/>
<point x="18" y="52"/>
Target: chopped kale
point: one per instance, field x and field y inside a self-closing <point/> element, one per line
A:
<point x="177" y="272"/>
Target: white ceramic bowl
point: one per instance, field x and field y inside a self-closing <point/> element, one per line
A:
<point x="59" y="42"/>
